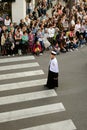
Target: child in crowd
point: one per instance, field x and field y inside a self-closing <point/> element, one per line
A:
<point x="31" y="41"/>
<point x="82" y="41"/>
<point x="11" y="41"/>
<point x="75" y="43"/>
<point x="72" y="44"/>
<point x="57" y="48"/>
<point x="9" y="45"/>
<point x="37" y="48"/>
<point x="24" y="42"/>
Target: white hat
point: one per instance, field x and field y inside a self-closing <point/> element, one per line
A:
<point x="53" y="52"/>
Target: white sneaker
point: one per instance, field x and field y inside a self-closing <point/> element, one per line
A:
<point x="13" y="55"/>
<point x="9" y="55"/>
<point x="82" y="46"/>
<point x="76" y="49"/>
<point x="71" y="50"/>
<point x="41" y="54"/>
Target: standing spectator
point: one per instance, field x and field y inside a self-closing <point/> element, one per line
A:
<point x="40" y="10"/>
<point x="17" y="38"/>
<point x="3" y="39"/>
<point x="3" y="30"/>
<point x="30" y="9"/>
<point x="35" y="14"/>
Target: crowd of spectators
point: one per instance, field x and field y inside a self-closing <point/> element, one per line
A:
<point x="65" y="31"/>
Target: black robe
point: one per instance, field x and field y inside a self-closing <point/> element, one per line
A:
<point x="52" y="80"/>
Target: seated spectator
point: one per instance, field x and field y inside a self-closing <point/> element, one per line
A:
<point x="57" y="48"/>
<point x="85" y="34"/>
<point x="27" y="20"/>
<point x="71" y="48"/>
<point x="12" y="42"/>
<point x="66" y="25"/>
<point x="11" y="27"/>
<point x="75" y="43"/>
<point x="71" y="34"/>
<point x="63" y="30"/>
<point x="77" y="28"/>
<point x="40" y="38"/>
<point x="82" y="41"/>
<point x="24" y="42"/>
<point x="72" y="21"/>
<point x="8" y="45"/>
<point x="7" y="21"/>
<point x="37" y="48"/>
<point x="67" y="43"/>
<point x="51" y="32"/>
<point x="22" y="23"/>
<point x="63" y="46"/>
<point x="3" y="30"/>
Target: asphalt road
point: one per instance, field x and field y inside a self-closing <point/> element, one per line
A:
<point x="71" y="93"/>
<point x="72" y="89"/>
<point x="34" y="109"/>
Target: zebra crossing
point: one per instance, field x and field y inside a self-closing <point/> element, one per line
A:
<point x="12" y="101"/>
<point x="55" y="126"/>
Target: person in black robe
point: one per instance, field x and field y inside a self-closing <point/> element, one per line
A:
<point x="53" y="72"/>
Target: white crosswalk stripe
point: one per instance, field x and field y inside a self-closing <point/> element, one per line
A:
<point x="19" y="66"/>
<point x="23" y="113"/>
<point x="25" y="84"/>
<point x="21" y="74"/>
<point x="62" y="125"/>
<point x="27" y="97"/>
<point x="6" y="60"/>
<point x="31" y="112"/>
